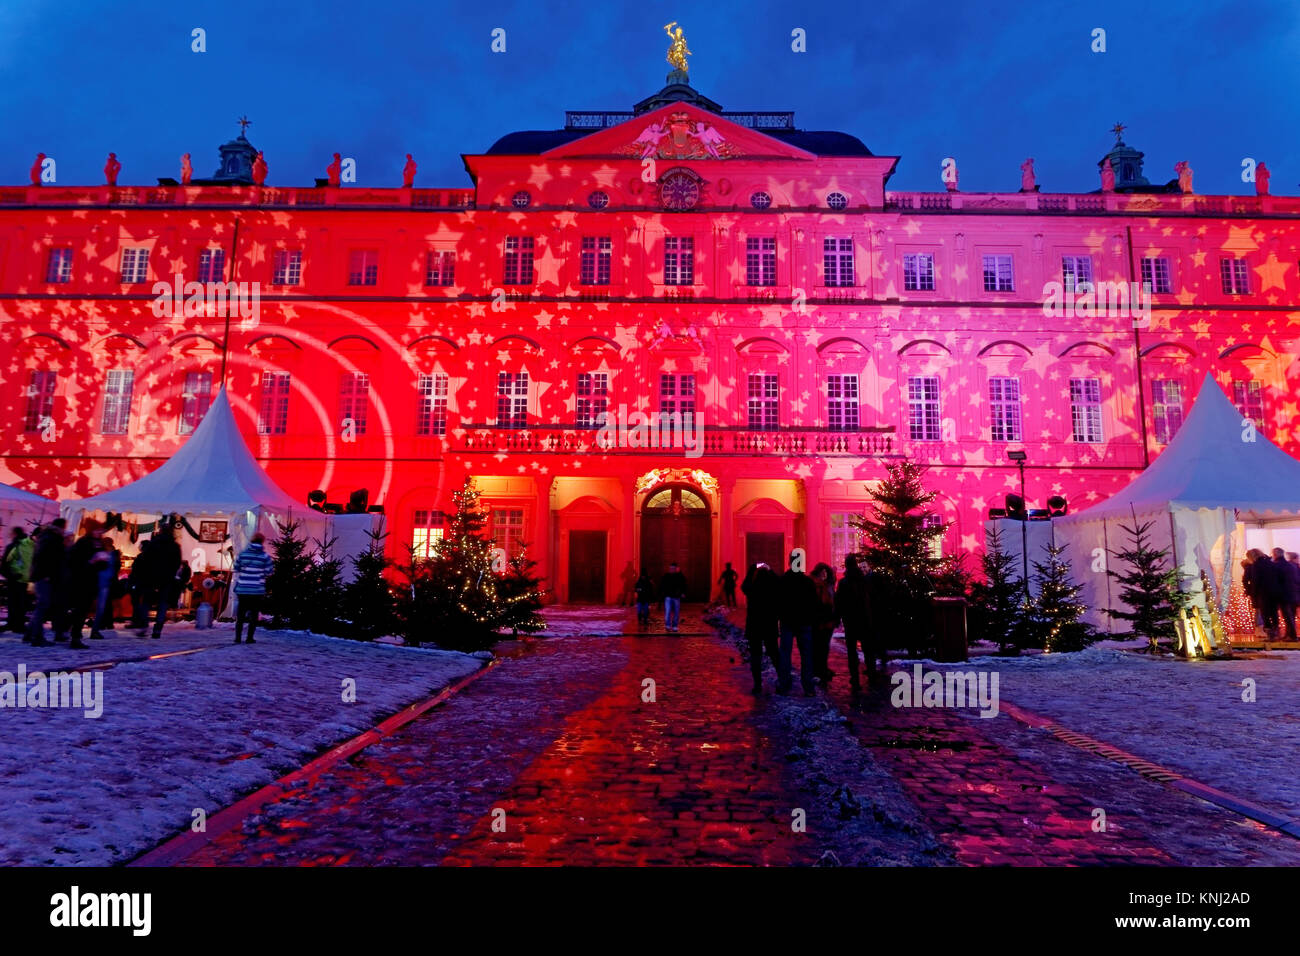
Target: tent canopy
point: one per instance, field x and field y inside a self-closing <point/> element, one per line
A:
<point x="212" y="473"/>
<point x="1214" y="461"/>
<point x="16" y="504"/>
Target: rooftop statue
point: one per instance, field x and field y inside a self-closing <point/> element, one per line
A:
<point x="36" y="169"/>
<point x="1261" y="179"/>
<point x="1027" y="184"/>
<point x="408" y="172"/>
<point x="111" y="169"/>
<point x="334" y="170"/>
<point x="1184" y="171"/>
<point x="259" y="169"/>
<point x="1107" y="177"/>
<point x="187" y="170"/>
<point x="677" y="52"/>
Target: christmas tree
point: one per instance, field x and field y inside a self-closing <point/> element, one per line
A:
<point x="290" y="587"/>
<point x="1150" y="590"/>
<point x="369" y="605"/>
<point x="326" y="578"/>
<point x="997" y="608"/>
<point x="521" y="595"/>
<point x="1055" y="616"/>
<point x="902" y="535"/>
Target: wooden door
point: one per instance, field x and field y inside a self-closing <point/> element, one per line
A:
<point x="587" y="566"/>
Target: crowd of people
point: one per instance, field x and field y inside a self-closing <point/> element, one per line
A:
<point x="785" y="611"/>
<point x="1272" y="584"/>
<point x="74" y="584"/>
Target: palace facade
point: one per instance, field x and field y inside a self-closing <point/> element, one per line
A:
<point x="757" y="283"/>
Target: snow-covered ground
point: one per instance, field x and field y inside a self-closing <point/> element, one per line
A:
<point x="185" y="732"/>
<point x="1189" y="716"/>
<point x="569" y="620"/>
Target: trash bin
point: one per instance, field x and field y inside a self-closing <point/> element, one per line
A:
<point x="949" y="629"/>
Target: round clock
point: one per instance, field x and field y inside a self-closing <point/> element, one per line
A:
<point x="679" y="191"/>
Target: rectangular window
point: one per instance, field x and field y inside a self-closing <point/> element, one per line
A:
<point x="998" y="276"/>
<point x="837" y="261"/>
<point x="842" y="403"/>
<point x="212" y="265"/>
<point x="354" y="402"/>
<point x="1085" y="409"/>
<point x="274" y="415"/>
<point x="1235" y="275"/>
<point x="1076" y="270"/>
<point x="764" y="393"/>
<point x="1248" y="396"/>
<point x="58" y="268"/>
<point x="679" y="260"/>
<point x="440" y="267"/>
<point x="508" y="530"/>
<point x="1167" y="408"/>
<point x="512" y="399"/>
<point x="117" y="401"/>
<point x="760" y="261"/>
<point x="1004" y="408"/>
<point x="918" y="272"/>
<point x="596" y="252"/>
<point x="431" y="417"/>
<point x="429" y="528"/>
<point x="846" y="538"/>
<point x="40" y="400"/>
<point x="363" y="267"/>
<point x="923" y="408"/>
<point x="288" y="267"/>
<point x="135" y="265"/>
<point x="677" y="396"/>
<point x="519" y="261"/>
<point x="1155" y="275"/>
<point x="592" y="399"/>
<point x="195" y="400"/>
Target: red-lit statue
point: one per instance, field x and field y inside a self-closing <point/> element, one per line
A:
<point x="1027" y="184"/>
<point x="408" y="172"/>
<point x="111" y="169"/>
<point x="1261" y="179"/>
<point x="187" y="171"/>
<point x="1184" y="171"/>
<point x="1107" y="176"/>
<point x="334" y="170"/>
<point x="36" y="169"/>
<point x="259" y="169"/>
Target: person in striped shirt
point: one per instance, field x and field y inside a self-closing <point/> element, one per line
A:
<point x="251" y="568"/>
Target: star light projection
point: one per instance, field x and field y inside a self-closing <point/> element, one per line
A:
<point x="722" y="329"/>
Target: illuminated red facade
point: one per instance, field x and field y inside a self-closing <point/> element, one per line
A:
<point x="670" y="258"/>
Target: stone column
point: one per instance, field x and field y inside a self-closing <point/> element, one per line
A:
<point x="541" y="544"/>
<point x="727" y="550"/>
<point x="816" y="535"/>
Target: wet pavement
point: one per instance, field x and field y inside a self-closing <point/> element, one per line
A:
<point x="648" y="749"/>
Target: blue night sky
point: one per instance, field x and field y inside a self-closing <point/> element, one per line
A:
<point x="988" y="83"/>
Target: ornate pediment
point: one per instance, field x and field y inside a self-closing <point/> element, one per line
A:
<point x="680" y="137"/>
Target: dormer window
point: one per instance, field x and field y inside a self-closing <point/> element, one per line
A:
<point x="522" y="199"/>
<point x="837" y="201"/>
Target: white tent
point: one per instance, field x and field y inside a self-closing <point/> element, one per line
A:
<point x="1216" y="477"/>
<point x="23" y="509"/>
<point x="213" y="476"/>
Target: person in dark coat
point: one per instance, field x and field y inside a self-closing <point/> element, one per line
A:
<point x="728" y="582"/>
<point x="87" y="559"/>
<point x="824" y="621"/>
<point x="140" y="583"/>
<point x="108" y="588"/>
<point x="853" y="607"/>
<point x="49" y="563"/>
<point x="672" y="588"/>
<point x="1282" y="590"/>
<point x="164" y="563"/>
<point x="1269" y="587"/>
<point x="762" y="630"/>
<point x="644" y="590"/>
<point x="796" y="609"/>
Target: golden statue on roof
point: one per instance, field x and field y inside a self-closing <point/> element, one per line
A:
<point x="677" y="52"/>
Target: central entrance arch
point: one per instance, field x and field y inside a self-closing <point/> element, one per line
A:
<point x="676" y="526"/>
